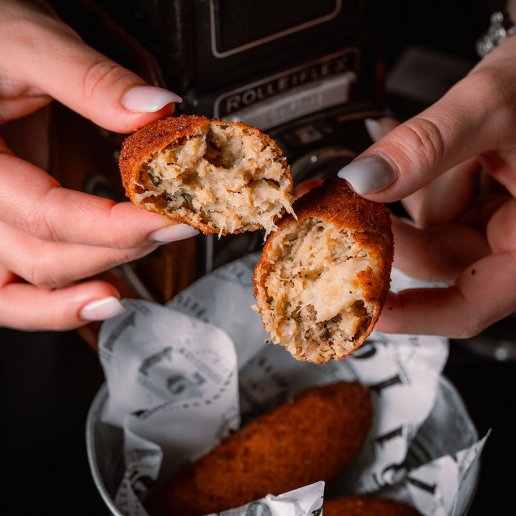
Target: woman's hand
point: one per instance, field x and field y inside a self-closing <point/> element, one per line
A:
<point x="463" y="229"/>
<point x="51" y="237"/>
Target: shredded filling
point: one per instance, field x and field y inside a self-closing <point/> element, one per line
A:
<point x="318" y="296"/>
<point x="223" y="176"/>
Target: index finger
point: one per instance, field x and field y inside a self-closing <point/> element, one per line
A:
<point x="474" y="117"/>
<point x="38" y="49"/>
<point x="34" y="202"/>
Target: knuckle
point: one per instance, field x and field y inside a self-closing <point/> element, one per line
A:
<point x="467" y="323"/>
<point x="488" y="87"/>
<point x="38" y="267"/>
<point x="98" y="74"/>
<point x="37" y="224"/>
<point x="31" y="222"/>
<point x="57" y="320"/>
<point x="35" y="272"/>
<point x="31" y="271"/>
<point x="23" y="31"/>
<point x="34" y="32"/>
<point x="425" y="138"/>
<point x="471" y="328"/>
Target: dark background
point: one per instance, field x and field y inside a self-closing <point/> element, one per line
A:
<point x="47" y="380"/>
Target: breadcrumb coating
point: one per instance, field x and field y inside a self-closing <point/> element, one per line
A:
<point x="309" y="439"/>
<point x="220" y="177"/>
<point x="366" y="506"/>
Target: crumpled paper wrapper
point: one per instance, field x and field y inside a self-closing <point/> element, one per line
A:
<point x="182" y="377"/>
<point x="307" y="500"/>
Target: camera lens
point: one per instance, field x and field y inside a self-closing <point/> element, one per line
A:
<point x="323" y="163"/>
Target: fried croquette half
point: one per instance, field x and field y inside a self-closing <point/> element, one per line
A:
<point x="366" y="506"/>
<point x="322" y="279"/>
<point x="220" y="177"/>
<point x="309" y="439"/>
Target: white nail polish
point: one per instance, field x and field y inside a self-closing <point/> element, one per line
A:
<point x="102" y="309"/>
<point x="374" y="129"/>
<point x="173" y="233"/>
<point x="148" y="99"/>
<point x="369" y="175"/>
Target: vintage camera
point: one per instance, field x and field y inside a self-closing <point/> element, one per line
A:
<point x="306" y="72"/>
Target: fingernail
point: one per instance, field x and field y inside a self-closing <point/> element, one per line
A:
<point x="148" y="99"/>
<point x="173" y="233"/>
<point x="369" y="175"/>
<point x="374" y="129"/>
<point x="102" y="309"/>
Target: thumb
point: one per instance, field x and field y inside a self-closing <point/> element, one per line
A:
<point x="42" y="51"/>
<point x="460" y="125"/>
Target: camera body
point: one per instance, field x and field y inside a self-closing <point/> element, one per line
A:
<point x="306" y="72"/>
<point x="205" y="46"/>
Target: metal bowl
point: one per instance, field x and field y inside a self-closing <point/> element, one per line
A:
<point x="104" y="444"/>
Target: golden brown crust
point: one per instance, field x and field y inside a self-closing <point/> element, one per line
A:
<point x="139" y="147"/>
<point x="335" y="203"/>
<point x="366" y="506"/>
<point x="310" y="439"/>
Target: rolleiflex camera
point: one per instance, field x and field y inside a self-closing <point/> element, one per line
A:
<point x="303" y="71"/>
<point x="306" y="72"/>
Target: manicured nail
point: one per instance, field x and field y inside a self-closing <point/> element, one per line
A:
<point x="173" y="233"/>
<point x="374" y="129"/>
<point x="369" y="175"/>
<point x="102" y="309"/>
<point x="148" y="99"/>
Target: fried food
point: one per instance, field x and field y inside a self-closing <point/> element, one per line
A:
<point x="322" y="279"/>
<point x="220" y="177"/>
<point x="366" y="506"/>
<point x="309" y="439"/>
